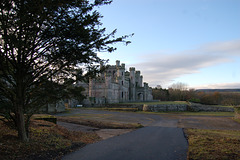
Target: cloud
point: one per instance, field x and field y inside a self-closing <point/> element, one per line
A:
<point x="224" y="48"/>
<point x="164" y="68"/>
<point x="219" y="86"/>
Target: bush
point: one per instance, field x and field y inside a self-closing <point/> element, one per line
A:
<point x="194" y="100"/>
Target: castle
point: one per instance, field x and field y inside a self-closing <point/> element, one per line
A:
<point x="115" y="85"/>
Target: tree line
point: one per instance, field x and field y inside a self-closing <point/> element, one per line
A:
<point x="179" y="92"/>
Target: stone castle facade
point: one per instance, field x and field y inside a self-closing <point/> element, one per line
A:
<point x="116" y="85"/>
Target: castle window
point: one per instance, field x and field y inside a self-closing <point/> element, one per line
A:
<point x="122" y="82"/>
<point x="122" y="94"/>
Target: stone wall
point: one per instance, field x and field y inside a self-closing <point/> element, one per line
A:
<point x="165" y="107"/>
<point x="139" y="106"/>
<point x="54" y="108"/>
<point x="193" y="107"/>
<point x="185" y="107"/>
<point x="208" y="108"/>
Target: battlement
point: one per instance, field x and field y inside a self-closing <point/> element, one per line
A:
<point x="132" y="69"/>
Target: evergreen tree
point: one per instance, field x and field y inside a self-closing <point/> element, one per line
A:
<point x="42" y="42"/>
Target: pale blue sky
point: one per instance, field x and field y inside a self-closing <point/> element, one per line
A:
<point x="191" y="41"/>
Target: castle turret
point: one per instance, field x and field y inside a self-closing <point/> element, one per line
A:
<point x="121" y="81"/>
<point x="117" y="63"/>
<point x="141" y="81"/>
<point x="138" y="80"/>
<point x="123" y="65"/>
<point x="132" y="92"/>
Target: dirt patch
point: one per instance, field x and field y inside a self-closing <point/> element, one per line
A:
<point x="102" y="133"/>
<point x="108" y="133"/>
<point x="77" y="127"/>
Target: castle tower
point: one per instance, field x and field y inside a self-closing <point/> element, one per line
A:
<point x="145" y="96"/>
<point x="117" y="63"/>
<point x="138" y="79"/>
<point x="132" y="90"/>
<point x="107" y="91"/>
<point x="91" y="88"/>
<point x="121" y="81"/>
<point x="141" y="81"/>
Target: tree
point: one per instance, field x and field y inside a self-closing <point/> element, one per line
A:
<point x="160" y="94"/>
<point x="178" y="91"/>
<point x="42" y="43"/>
<point x="179" y="86"/>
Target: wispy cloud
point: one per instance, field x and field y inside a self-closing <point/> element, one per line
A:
<point x="219" y="86"/>
<point x="224" y="48"/>
<point x="164" y="68"/>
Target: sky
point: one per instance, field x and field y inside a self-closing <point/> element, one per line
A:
<point x="196" y="42"/>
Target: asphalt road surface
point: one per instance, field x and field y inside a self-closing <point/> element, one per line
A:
<point x="149" y="143"/>
<point x="160" y="140"/>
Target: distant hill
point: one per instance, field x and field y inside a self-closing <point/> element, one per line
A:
<point x="218" y="90"/>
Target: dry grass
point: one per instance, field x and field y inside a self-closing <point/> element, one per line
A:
<point x="236" y="120"/>
<point x="213" y="144"/>
<point x="100" y="124"/>
<point x="47" y="141"/>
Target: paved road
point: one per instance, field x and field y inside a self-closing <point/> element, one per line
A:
<point x="149" y="143"/>
<point x="161" y="139"/>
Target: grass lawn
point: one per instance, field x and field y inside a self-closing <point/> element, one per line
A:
<point x="225" y="106"/>
<point x="213" y="144"/>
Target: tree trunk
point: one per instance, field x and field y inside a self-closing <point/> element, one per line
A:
<point x="21" y="126"/>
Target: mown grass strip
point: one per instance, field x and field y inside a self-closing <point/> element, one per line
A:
<point x="100" y="124"/>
